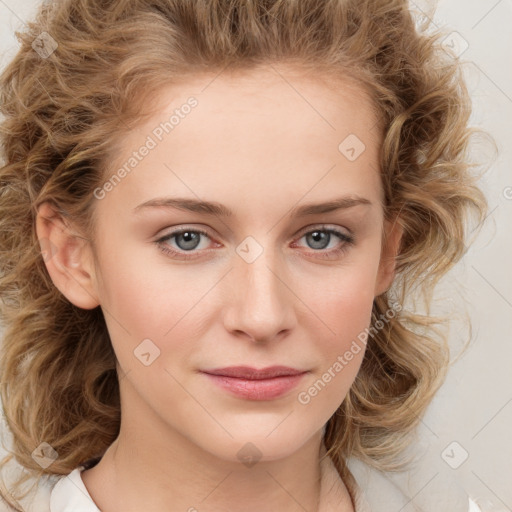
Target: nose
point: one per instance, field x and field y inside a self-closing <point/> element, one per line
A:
<point x="260" y="303"/>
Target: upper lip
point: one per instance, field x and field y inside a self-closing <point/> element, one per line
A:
<point x="246" y="372"/>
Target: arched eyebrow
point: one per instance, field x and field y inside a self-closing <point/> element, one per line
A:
<point x="217" y="209"/>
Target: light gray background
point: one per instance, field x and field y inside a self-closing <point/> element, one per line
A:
<point x="474" y="407"/>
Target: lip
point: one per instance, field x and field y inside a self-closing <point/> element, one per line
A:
<point x="256" y="384"/>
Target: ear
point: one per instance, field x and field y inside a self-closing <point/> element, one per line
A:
<point x="390" y="246"/>
<point x="67" y="256"/>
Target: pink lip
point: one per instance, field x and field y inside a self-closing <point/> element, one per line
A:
<point x="253" y="384"/>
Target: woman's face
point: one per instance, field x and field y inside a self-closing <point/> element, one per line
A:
<point x="188" y="288"/>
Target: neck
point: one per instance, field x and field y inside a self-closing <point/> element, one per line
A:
<point x="150" y="467"/>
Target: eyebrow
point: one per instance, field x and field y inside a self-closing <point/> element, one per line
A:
<point x="218" y="209"/>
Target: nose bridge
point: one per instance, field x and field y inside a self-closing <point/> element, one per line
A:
<point x="261" y="305"/>
<point x="261" y="278"/>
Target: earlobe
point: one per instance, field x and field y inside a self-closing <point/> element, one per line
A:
<point x="67" y="257"/>
<point x="390" y="250"/>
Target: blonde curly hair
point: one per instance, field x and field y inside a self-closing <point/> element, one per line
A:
<point x="65" y="114"/>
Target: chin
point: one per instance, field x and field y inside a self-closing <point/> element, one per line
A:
<point x="252" y="445"/>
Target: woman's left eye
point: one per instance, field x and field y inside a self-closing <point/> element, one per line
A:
<point x="320" y="238"/>
<point x="188" y="240"/>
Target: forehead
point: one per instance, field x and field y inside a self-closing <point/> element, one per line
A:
<point x="269" y="97"/>
<point x="258" y="130"/>
<point x="280" y="95"/>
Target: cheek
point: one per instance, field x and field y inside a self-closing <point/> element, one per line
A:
<point x="136" y="304"/>
<point x="158" y="301"/>
<point x="344" y="306"/>
<point x="346" y="316"/>
<point x="144" y="294"/>
<point x="343" y="298"/>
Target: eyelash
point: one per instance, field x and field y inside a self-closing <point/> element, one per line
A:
<point x="346" y="239"/>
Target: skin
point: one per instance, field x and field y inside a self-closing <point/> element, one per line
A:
<point x="260" y="147"/>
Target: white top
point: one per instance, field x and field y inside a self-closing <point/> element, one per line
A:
<point x="70" y="495"/>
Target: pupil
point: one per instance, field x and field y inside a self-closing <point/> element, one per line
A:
<point x="317" y="238"/>
<point x="189" y="241"/>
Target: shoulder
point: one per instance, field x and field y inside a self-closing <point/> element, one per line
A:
<point x="71" y="495"/>
<point x="54" y="493"/>
<point x="37" y="497"/>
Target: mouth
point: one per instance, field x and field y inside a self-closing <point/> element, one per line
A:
<point x="254" y="384"/>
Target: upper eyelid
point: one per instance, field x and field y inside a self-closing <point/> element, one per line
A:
<point x="322" y="227"/>
<point x="305" y="229"/>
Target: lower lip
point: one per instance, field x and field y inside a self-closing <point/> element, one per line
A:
<point x="264" y="389"/>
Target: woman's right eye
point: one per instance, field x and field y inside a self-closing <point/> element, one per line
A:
<point x="187" y="240"/>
